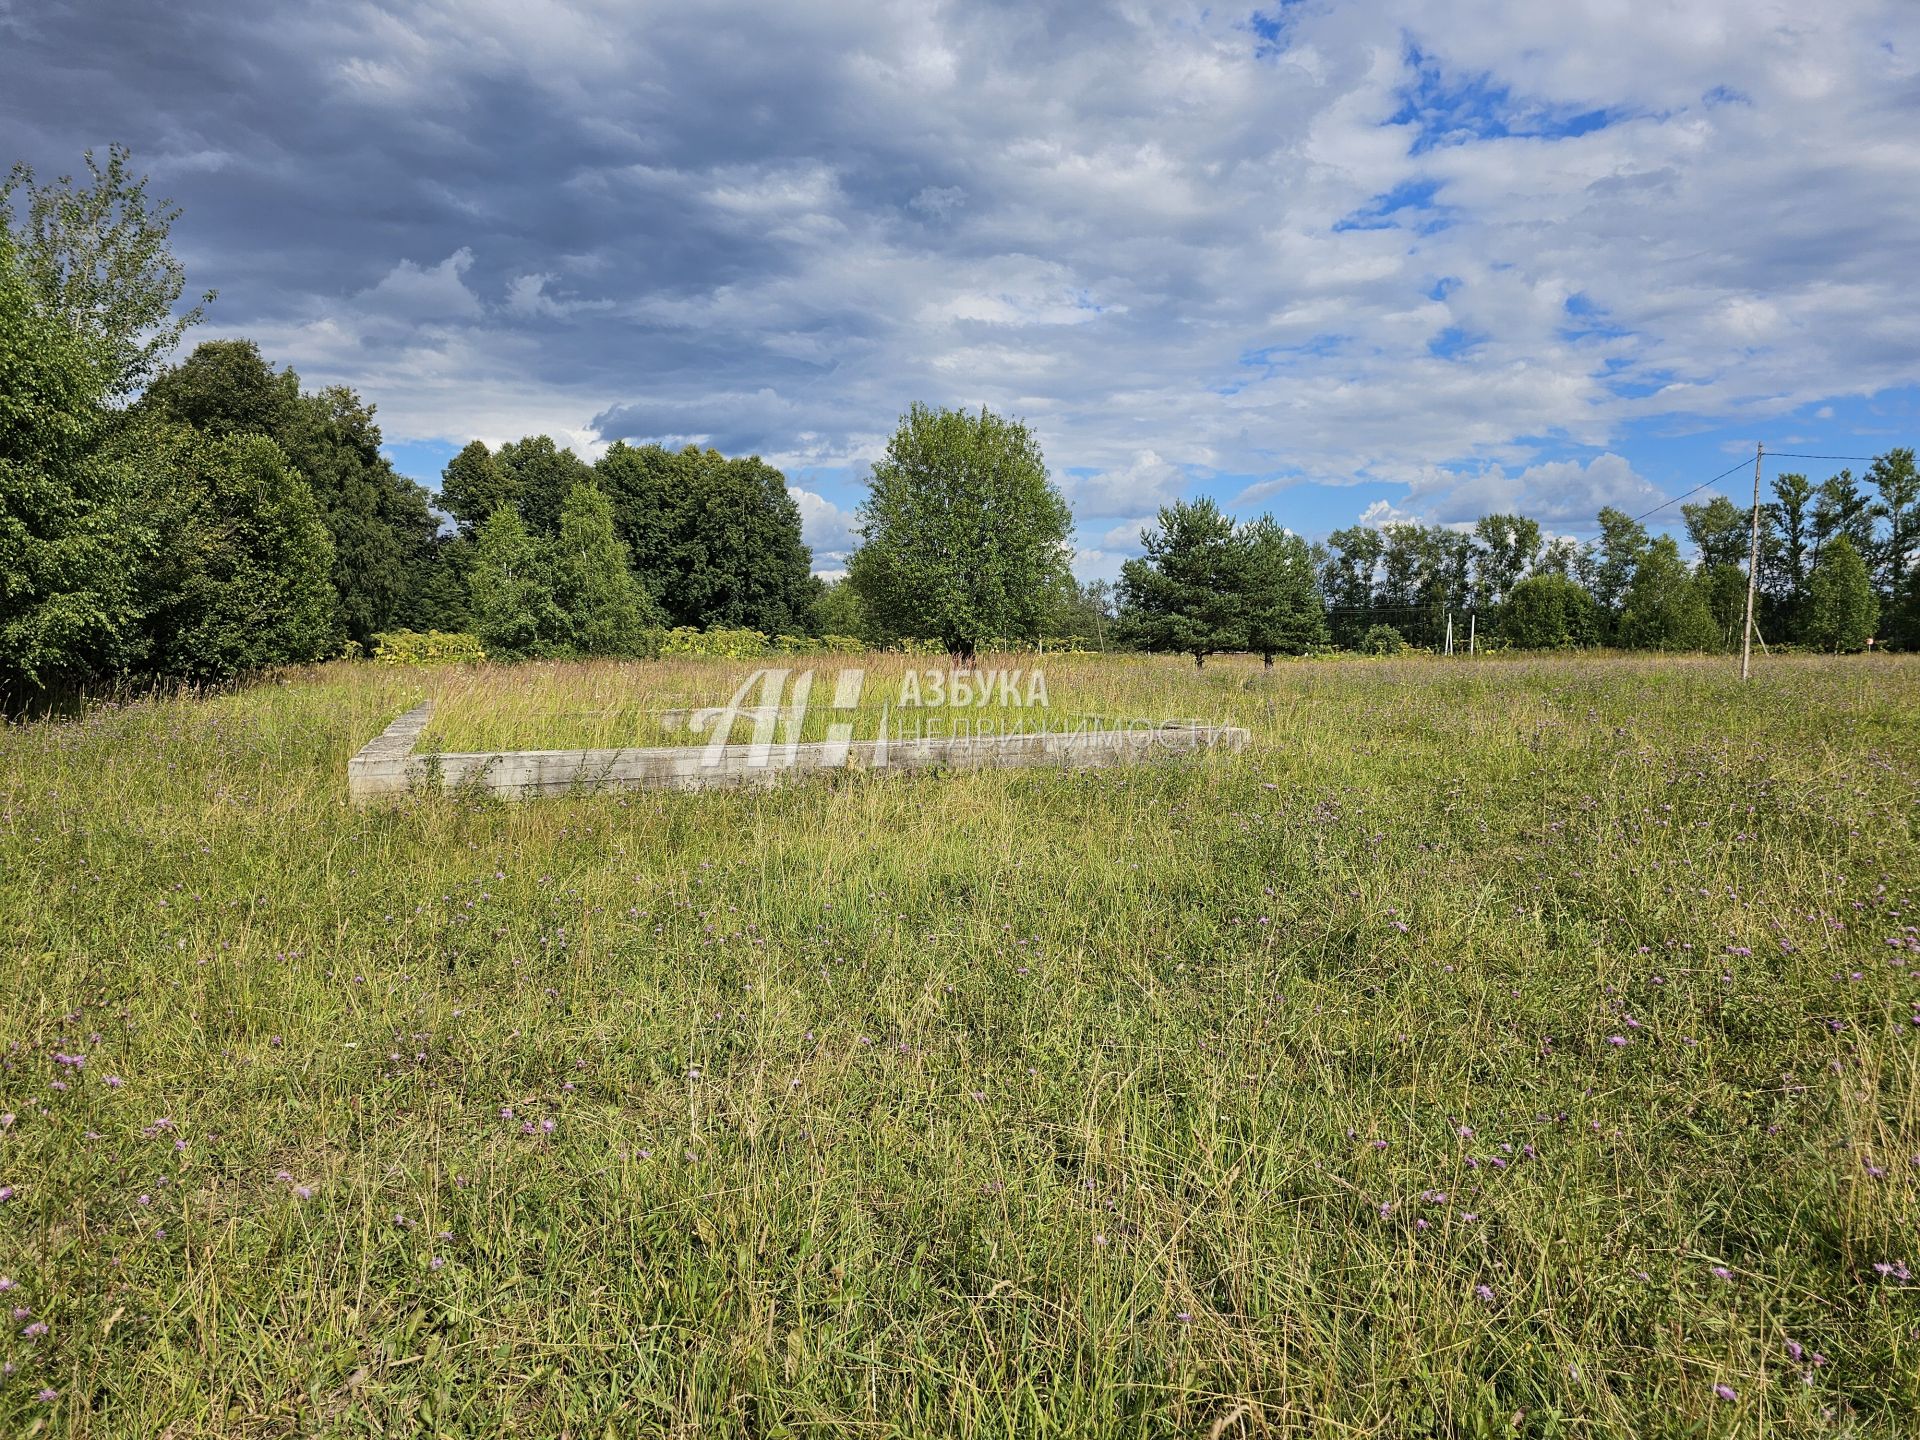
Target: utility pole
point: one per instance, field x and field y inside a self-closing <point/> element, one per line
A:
<point x="1753" y="568"/>
<point x="1449" y="632"/>
<point x="1473" y="629"/>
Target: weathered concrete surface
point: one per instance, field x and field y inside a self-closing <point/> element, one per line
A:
<point x="381" y="766"/>
<point x="388" y="764"/>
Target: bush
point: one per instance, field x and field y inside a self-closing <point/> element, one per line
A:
<point x="433" y="647"/>
<point x="1383" y="640"/>
<point x="720" y="642"/>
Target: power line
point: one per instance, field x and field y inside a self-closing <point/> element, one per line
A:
<point x="1796" y="455"/>
<point x="1741" y="465"/>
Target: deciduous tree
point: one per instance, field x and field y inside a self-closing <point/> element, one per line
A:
<point x="608" y="611"/>
<point x="1665" y="608"/>
<point x="1842" y="609"/>
<point x="963" y="535"/>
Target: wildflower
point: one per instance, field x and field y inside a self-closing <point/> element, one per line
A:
<point x="1616" y="1040"/>
<point x="1893" y="1269"/>
<point x="1794" y="1351"/>
<point x="35" y="1330"/>
<point x="47" y="1396"/>
<point x="1726" y="1392"/>
<point x="1483" y="1293"/>
<point x="1723" y="1272"/>
<point x="1100" y="1240"/>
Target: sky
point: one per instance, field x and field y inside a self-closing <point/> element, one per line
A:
<point x="1339" y="262"/>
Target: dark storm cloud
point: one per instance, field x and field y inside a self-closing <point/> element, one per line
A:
<point x="770" y="226"/>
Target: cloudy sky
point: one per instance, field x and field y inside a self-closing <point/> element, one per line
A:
<point x="1384" y="258"/>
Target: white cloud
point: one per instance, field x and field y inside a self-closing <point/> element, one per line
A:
<point x="1375" y="248"/>
<point x="825" y="527"/>
<point x="1143" y="484"/>
<point x="1557" y="492"/>
<point x="410" y="292"/>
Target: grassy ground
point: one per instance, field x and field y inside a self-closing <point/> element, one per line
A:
<point x="1494" y="1048"/>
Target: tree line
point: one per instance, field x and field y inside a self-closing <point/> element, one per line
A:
<point x="198" y="521"/>
<point x="965" y="539"/>
<point x="1836" y="560"/>
<point x="203" y="520"/>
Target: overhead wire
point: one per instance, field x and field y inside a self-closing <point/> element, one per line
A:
<point x="1695" y="491"/>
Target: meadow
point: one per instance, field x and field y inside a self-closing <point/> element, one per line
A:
<point x="1495" y="1047"/>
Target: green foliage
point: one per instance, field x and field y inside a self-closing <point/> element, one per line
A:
<point x="474" y="485"/>
<point x="1187" y="594"/>
<point x="379" y="521"/>
<point x="431" y="647"/>
<point x="1724" y="587"/>
<point x="1285" y="614"/>
<point x="1620" y="549"/>
<point x="1547" y="611"/>
<point x="438" y="596"/>
<point x="540" y="476"/>
<point x="1903" y="620"/>
<point x="68" y="537"/>
<point x="608" y="611"/>
<point x="1842" y="609"/>
<point x="96" y="255"/>
<point x="1665" y="608"/>
<point x="963" y="535"/>
<point x="836" y="610"/>
<point x="1083" y="614"/>
<point x="1841" y="507"/>
<point x="1721" y="531"/>
<point x="1509" y="546"/>
<point x="716" y="541"/>
<point x="1383" y="640"/>
<point x="240" y="580"/>
<point x="510" y="582"/>
<point x="1347" y="577"/>
<point x="1897" y="480"/>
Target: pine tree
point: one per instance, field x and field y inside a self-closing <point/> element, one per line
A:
<point x="1284" y="610"/>
<point x="1186" y="594"/>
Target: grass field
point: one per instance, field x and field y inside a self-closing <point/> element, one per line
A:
<point x="1507" y="1047"/>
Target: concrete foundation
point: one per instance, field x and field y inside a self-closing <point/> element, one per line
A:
<point x="388" y="764"/>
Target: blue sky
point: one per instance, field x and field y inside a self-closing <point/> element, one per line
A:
<point x="1340" y="261"/>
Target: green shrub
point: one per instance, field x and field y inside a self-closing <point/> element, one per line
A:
<point x="433" y="647"/>
<point x="1383" y="640"/>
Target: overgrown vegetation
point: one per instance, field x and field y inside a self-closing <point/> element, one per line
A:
<point x="1511" y="1047"/>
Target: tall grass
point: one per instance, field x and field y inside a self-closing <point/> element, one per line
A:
<point x="1499" y="1047"/>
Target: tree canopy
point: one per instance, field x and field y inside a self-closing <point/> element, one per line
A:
<point x="1187" y="594"/>
<point x="963" y="534"/>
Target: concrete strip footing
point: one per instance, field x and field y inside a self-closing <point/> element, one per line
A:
<point x="388" y="765"/>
